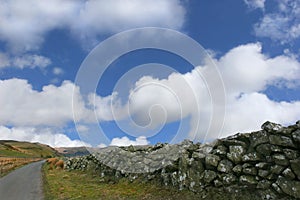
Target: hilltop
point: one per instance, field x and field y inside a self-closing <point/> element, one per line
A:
<point x="11" y="148"/>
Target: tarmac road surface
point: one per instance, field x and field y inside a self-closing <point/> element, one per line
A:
<point x="24" y="183"/>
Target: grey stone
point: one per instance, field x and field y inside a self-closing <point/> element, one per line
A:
<point x="237" y="169"/>
<point x="276" y="188"/>
<point x="218" y="183"/>
<point x="250" y="171"/>
<point x="271" y="127"/>
<point x="198" y="156"/>
<point x="289" y="187"/>
<point x="247" y="179"/>
<point x="263" y="173"/>
<point x="260" y="137"/>
<point x="262" y="165"/>
<point x="290" y="154"/>
<point x="264" y="149"/>
<point x="263" y="184"/>
<point x="206" y="148"/>
<point x="288" y="173"/>
<point x="295" y="165"/>
<point x="276" y="169"/>
<point x="246" y="165"/>
<point x="229" y="179"/>
<point x="234" y="142"/>
<point x="272" y="176"/>
<point x="208" y="176"/>
<point x="225" y="166"/>
<point x="280" y="159"/>
<point x="220" y="150"/>
<point x="281" y="141"/>
<point x="296" y="136"/>
<point x="212" y="160"/>
<point x="251" y="157"/>
<point x="235" y="153"/>
<point x="276" y="149"/>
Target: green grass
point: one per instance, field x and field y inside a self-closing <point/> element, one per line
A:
<point x="61" y="184"/>
<point x="25" y="149"/>
<point x="10" y="153"/>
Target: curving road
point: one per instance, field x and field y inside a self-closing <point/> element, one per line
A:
<point x="24" y="183"/>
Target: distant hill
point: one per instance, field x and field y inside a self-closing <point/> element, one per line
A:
<point x="75" y="151"/>
<point x="10" y="148"/>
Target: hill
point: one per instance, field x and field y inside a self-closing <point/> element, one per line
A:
<point x="75" y="151"/>
<point x="10" y="148"/>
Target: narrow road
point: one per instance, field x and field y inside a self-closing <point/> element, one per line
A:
<point x="24" y="183"/>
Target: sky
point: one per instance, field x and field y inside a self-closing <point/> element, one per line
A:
<point x="99" y="73"/>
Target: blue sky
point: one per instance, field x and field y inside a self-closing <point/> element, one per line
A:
<point x="252" y="44"/>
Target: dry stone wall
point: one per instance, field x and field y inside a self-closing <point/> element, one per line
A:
<point x="266" y="161"/>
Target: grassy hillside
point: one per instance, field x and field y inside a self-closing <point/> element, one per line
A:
<point x="9" y="148"/>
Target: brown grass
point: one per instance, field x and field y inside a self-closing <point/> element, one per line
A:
<point x="8" y="164"/>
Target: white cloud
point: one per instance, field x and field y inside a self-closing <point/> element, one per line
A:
<point x="85" y="19"/>
<point x="281" y="24"/>
<point x="246" y="73"/>
<point x="249" y="111"/>
<point x="58" y="71"/>
<point x="32" y="19"/>
<point x="104" y="107"/>
<point x="31" y="61"/>
<point x="44" y="136"/>
<point x="125" y="141"/>
<point x="246" y="69"/>
<point x="255" y="3"/>
<point x="24" y="61"/>
<point x="23" y="106"/>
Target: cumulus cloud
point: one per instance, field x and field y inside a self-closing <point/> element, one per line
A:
<point x="85" y="19"/>
<point x="246" y="69"/>
<point x="24" y="61"/>
<point x="44" y="136"/>
<point x="281" y="24"/>
<point x="255" y="3"/>
<point x="125" y="141"/>
<point x="246" y="73"/>
<point x="249" y="111"/>
<point x="21" y="105"/>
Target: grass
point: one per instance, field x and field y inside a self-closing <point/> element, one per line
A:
<point x="10" y="148"/>
<point x="9" y="164"/>
<point x="10" y="153"/>
<point x="62" y="184"/>
<point x="14" y="154"/>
